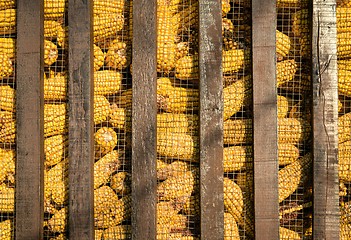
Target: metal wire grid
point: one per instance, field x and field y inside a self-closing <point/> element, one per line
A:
<point x="343" y="16"/>
<point x="55" y="120"/>
<point x="237" y="93"/>
<point x="294" y="113"/>
<point x="7" y="119"/>
<point x="113" y="96"/>
<point x="177" y="120"/>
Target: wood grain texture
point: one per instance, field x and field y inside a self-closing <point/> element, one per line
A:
<point x="80" y="124"/>
<point x="144" y="112"/>
<point x="211" y="120"/>
<point x="325" y="114"/>
<point x="265" y="119"/>
<point x="30" y="120"/>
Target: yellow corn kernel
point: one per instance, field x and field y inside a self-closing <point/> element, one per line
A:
<point x="50" y="52"/>
<point x="7" y="199"/>
<point x="54" y="9"/>
<point x="55" y="183"/>
<point x="6" y="228"/>
<point x="118" y="55"/>
<point x="7" y="98"/>
<point x="233" y="198"/>
<point x="104" y="167"/>
<point x="99" y="57"/>
<point x="6" y="4"/>
<point x="7" y="21"/>
<point x="58" y="222"/>
<point x="105" y="141"/>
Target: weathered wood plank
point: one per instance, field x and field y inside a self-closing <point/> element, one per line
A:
<point x="80" y="124"/>
<point x="325" y="115"/>
<point x="30" y="120"/>
<point x="144" y="112"/>
<point x="265" y="119"/>
<point x="211" y="120"/>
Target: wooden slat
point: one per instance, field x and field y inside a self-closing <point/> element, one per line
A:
<point x="144" y="120"/>
<point x="211" y="119"/>
<point x="80" y="124"/>
<point x="325" y="115"/>
<point x="29" y="118"/>
<point x="265" y="119"/>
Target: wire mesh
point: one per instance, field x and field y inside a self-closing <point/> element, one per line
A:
<point x="7" y="117"/>
<point x="294" y="119"/>
<point x="112" y="118"/>
<point x="237" y="116"/>
<point x="343" y="15"/>
<point x="55" y="120"/>
<point x="177" y="120"/>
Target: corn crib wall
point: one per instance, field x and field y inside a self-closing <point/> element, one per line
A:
<point x="175" y="119"/>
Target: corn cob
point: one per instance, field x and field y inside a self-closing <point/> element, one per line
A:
<point x="8" y="47"/>
<point x="344" y="83"/>
<point x="54" y="119"/>
<point x="104" y="167"/>
<point x="182" y="50"/>
<point x="231" y="230"/>
<point x="233" y="199"/>
<point x="286" y="71"/>
<point x="106" y="25"/>
<point x="300" y="23"/>
<point x="7" y="132"/>
<point x="7" y="98"/>
<point x="177" y="145"/>
<point x="6" y="116"/>
<point x="99" y="58"/>
<point x="110" y="211"/>
<point x="120" y="117"/>
<point x="345" y="210"/>
<point x="187" y="18"/>
<point x="107" y="82"/>
<point x="108" y="7"/>
<point x="287" y="234"/>
<point x="301" y="84"/>
<point x="292" y="175"/>
<point x="7" y="199"/>
<point x="7" y="21"/>
<point x="177" y="187"/>
<point x="118" y="55"/>
<point x="7" y="163"/>
<point x="344" y="128"/>
<point x="54" y="9"/>
<point x="121" y="232"/>
<point x="291" y="3"/>
<point x="105" y="141"/>
<point x="6" y="4"/>
<point x="345" y="231"/>
<point x="55" y="183"/>
<point x="101" y="109"/>
<point x="283" y="106"/>
<point x="180" y="123"/>
<point x="50" y="52"/>
<point x="121" y="183"/>
<point x="225" y="7"/>
<point x="190" y="206"/>
<point x="283" y="44"/>
<point x="174" y="169"/>
<point x="343" y="3"/>
<point x="344" y="151"/>
<point x="343" y="44"/>
<point x="343" y="19"/>
<point x="53" y="30"/>
<point x="55" y="87"/>
<point x="6" y="230"/>
<point x="187" y="68"/>
<point x="58" y="222"/>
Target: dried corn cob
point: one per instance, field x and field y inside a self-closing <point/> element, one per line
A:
<point x="8" y="47"/>
<point x="7" y="98"/>
<point x="292" y="175"/>
<point x="104" y="167"/>
<point x="283" y="44"/>
<point x="344" y="83"/>
<point x="7" y="199"/>
<point x="121" y="183"/>
<point x="344" y="151"/>
<point x="286" y="71"/>
<point x="7" y="21"/>
<point x="54" y="119"/>
<point x="187" y="18"/>
<point x="6" y="230"/>
<point x="180" y="123"/>
<point x="233" y="199"/>
<point x="55" y="87"/>
<point x="6" y="4"/>
<point x="300" y="84"/>
<point x="300" y="23"/>
<point x="110" y="211"/>
<point x="122" y="232"/>
<point x="58" y="222"/>
<point x="99" y="58"/>
<point x="343" y="3"/>
<point x="7" y="132"/>
<point x="173" y="169"/>
<point x="187" y="68"/>
<point x="50" y="52"/>
<point x="7" y="163"/>
<point x="106" y="25"/>
<point x="287" y="234"/>
<point x="120" y="117"/>
<point x="231" y="230"/>
<point x="118" y="55"/>
<point x="283" y="106"/>
<point x="291" y="3"/>
<point x="343" y="44"/>
<point x="53" y="30"/>
<point x="6" y="116"/>
<point x="345" y="231"/>
<point x="54" y="9"/>
<point x="55" y="183"/>
<point x="105" y="141"/>
<point x="344" y="129"/>
<point x="107" y="82"/>
<point x="177" y="187"/>
<point x="345" y="210"/>
<point x="110" y="7"/>
<point x="177" y="145"/>
<point x="101" y="109"/>
<point x="190" y="206"/>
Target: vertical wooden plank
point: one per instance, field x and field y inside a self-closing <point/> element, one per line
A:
<point x="80" y="124"/>
<point x="211" y="120"/>
<point x="29" y="118"/>
<point x="265" y="119"/>
<point x="325" y="114"/>
<point x="144" y="112"/>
